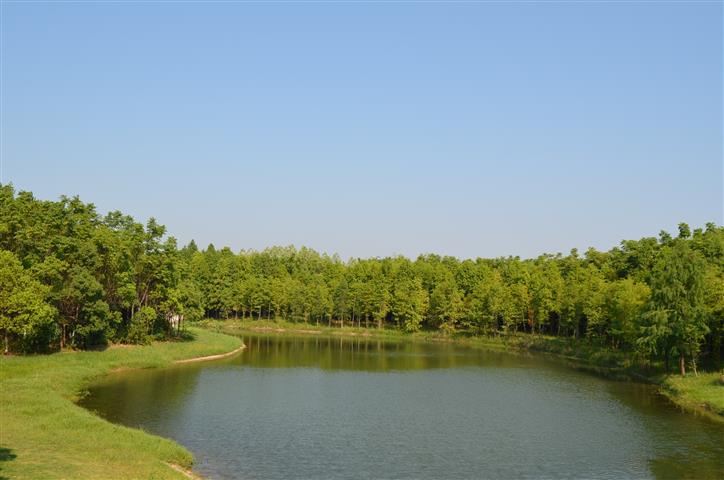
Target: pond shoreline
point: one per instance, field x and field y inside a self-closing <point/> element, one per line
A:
<point x="34" y="380"/>
<point x="211" y="357"/>
<point x="301" y="387"/>
<point x="596" y="362"/>
<point x="39" y="398"/>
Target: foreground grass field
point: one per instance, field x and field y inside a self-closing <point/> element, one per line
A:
<point x="702" y="394"/>
<point x="44" y="435"/>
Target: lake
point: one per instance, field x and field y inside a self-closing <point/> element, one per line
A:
<point x="347" y="407"/>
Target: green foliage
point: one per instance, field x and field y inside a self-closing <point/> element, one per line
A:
<point x="675" y="322"/>
<point x="625" y="301"/>
<point x="89" y="274"/>
<point x="24" y="313"/>
<point x="489" y="302"/>
<point x="141" y="326"/>
<point x="446" y="305"/>
<point x="409" y="303"/>
<point x="103" y="276"/>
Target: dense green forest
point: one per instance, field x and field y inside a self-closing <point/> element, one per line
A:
<point x="70" y="277"/>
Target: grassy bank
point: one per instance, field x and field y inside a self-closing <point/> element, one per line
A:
<point x="282" y="327"/>
<point x="696" y="393"/>
<point x="44" y="435"/>
<point x="702" y="394"/>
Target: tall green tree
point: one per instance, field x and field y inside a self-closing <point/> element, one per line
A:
<point x="24" y="313"/>
<point x="409" y="303"/>
<point x="446" y="305"/>
<point x="675" y="319"/>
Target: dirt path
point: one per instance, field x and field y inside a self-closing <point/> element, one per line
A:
<point x="212" y="357"/>
<point x="285" y="330"/>
<point x="183" y="471"/>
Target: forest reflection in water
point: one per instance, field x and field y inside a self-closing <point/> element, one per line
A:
<point x="351" y="407"/>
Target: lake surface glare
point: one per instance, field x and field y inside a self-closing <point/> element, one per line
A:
<point x="347" y="407"/>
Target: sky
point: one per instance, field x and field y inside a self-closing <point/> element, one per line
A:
<point x="368" y="128"/>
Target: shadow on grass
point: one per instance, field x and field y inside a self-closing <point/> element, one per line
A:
<point x="5" y="456"/>
<point x="183" y="336"/>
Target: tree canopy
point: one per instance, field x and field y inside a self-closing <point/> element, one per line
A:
<point x="72" y="277"/>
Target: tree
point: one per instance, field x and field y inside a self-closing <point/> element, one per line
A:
<point x="380" y="300"/>
<point x="714" y="298"/>
<point x="446" y="305"/>
<point x="489" y="303"/>
<point x="675" y="320"/>
<point x="24" y="313"/>
<point x="409" y="303"/>
<point x="684" y="231"/>
<point x="142" y="325"/>
<point x="545" y="286"/>
<point x="593" y="301"/>
<point x="625" y="303"/>
<point x="85" y="317"/>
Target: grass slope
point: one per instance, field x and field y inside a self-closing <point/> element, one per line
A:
<point x="44" y="435"/>
<point x="695" y="393"/>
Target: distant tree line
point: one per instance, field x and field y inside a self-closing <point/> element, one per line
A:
<point x="71" y="277"/>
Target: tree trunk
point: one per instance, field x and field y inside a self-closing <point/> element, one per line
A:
<point x="7" y="343"/>
<point x="666" y="362"/>
<point x="717" y="335"/>
<point x="682" y="364"/>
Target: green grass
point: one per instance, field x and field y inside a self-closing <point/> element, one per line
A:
<point x="284" y="327"/>
<point x="704" y="392"/>
<point x="45" y="435"/>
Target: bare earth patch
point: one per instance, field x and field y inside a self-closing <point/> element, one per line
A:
<point x="212" y="357"/>
<point x="184" y="471"/>
<point x="282" y="330"/>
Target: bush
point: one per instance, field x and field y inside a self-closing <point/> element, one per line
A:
<point x="141" y="326"/>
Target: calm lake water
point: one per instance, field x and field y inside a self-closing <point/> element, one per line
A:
<point x="315" y="407"/>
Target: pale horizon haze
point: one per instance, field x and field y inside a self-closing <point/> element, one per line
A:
<point x="371" y="129"/>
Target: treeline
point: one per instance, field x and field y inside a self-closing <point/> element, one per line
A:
<point x="69" y="277"/>
<point x="660" y="298"/>
<point x="81" y="279"/>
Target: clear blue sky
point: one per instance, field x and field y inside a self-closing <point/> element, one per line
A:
<point x="372" y="129"/>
